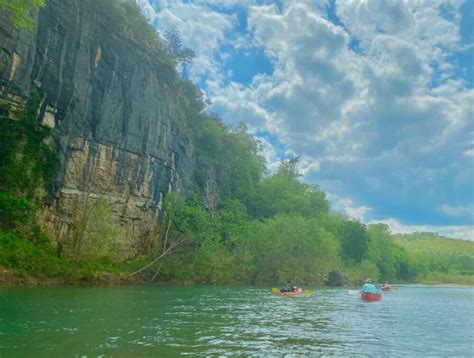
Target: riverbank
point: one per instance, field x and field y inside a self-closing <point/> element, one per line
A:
<point x="15" y="278"/>
<point x="442" y="279"/>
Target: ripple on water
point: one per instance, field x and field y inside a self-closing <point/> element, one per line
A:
<point x="227" y="321"/>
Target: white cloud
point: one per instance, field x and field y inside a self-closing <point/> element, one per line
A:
<point x="347" y="207"/>
<point x="312" y="80"/>
<point x="201" y="28"/>
<point x="419" y="22"/>
<point x="456" y="232"/>
<point x="459" y="211"/>
<point x="240" y="103"/>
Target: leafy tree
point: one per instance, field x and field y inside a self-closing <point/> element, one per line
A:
<point x="354" y="241"/>
<point x="382" y="251"/>
<point x="173" y="42"/>
<point x="100" y="239"/>
<point x="241" y="166"/>
<point x="284" y="193"/>
<point x="292" y="247"/>
<point x="181" y="54"/>
<point x="289" y="168"/>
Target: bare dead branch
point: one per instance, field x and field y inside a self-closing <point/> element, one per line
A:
<point x="172" y="246"/>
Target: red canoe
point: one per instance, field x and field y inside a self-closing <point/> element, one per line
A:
<point x="366" y="296"/>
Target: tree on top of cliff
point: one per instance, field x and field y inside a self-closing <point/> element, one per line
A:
<point x="18" y="11"/>
<point x="181" y="54"/>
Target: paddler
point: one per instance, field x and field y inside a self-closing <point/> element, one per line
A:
<point x="369" y="287"/>
<point x="289" y="287"/>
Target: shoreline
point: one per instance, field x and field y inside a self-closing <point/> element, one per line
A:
<point x="11" y="279"/>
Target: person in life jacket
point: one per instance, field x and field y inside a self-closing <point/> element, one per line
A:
<point x="289" y="287"/>
<point x="369" y="287"/>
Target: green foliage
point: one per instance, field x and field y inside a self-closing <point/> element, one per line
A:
<point x="18" y="11"/>
<point x="361" y="271"/>
<point x="26" y="163"/>
<point x="292" y="247"/>
<point x="430" y="255"/>
<point x="142" y="30"/>
<point x="210" y="139"/>
<point x="98" y="239"/>
<point x="126" y="17"/>
<point x="14" y="210"/>
<point x="383" y="251"/>
<point x="240" y="167"/>
<point x="214" y="261"/>
<point x="354" y="241"/>
<point x="182" y="55"/>
<point x="37" y="259"/>
<point x="235" y="156"/>
<point x="283" y="193"/>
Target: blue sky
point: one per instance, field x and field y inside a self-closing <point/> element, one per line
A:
<point x="375" y="97"/>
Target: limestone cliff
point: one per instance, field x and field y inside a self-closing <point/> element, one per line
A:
<point x="120" y="130"/>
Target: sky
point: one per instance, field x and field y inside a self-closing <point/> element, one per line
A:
<point x="375" y="97"/>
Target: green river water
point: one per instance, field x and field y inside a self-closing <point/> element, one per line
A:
<point x="168" y="321"/>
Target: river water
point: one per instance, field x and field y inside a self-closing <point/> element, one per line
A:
<point x="168" y="321"/>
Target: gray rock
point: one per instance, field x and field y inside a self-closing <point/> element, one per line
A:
<point x="336" y="278"/>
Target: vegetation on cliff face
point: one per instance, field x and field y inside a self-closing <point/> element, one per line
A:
<point x="18" y="11"/>
<point x="27" y="164"/>
<point x="261" y="227"/>
<point x="126" y="17"/>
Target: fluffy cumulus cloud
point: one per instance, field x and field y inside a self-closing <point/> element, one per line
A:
<point x="201" y="28"/>
<point x="374" y="96"/>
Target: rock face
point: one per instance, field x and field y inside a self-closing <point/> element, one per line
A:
<point x="120" y="130"/>
<point x="336" y="278"/>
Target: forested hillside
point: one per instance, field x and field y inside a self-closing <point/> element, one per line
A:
<point x="440" y="259"/>
<point x="235" y="222"/>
